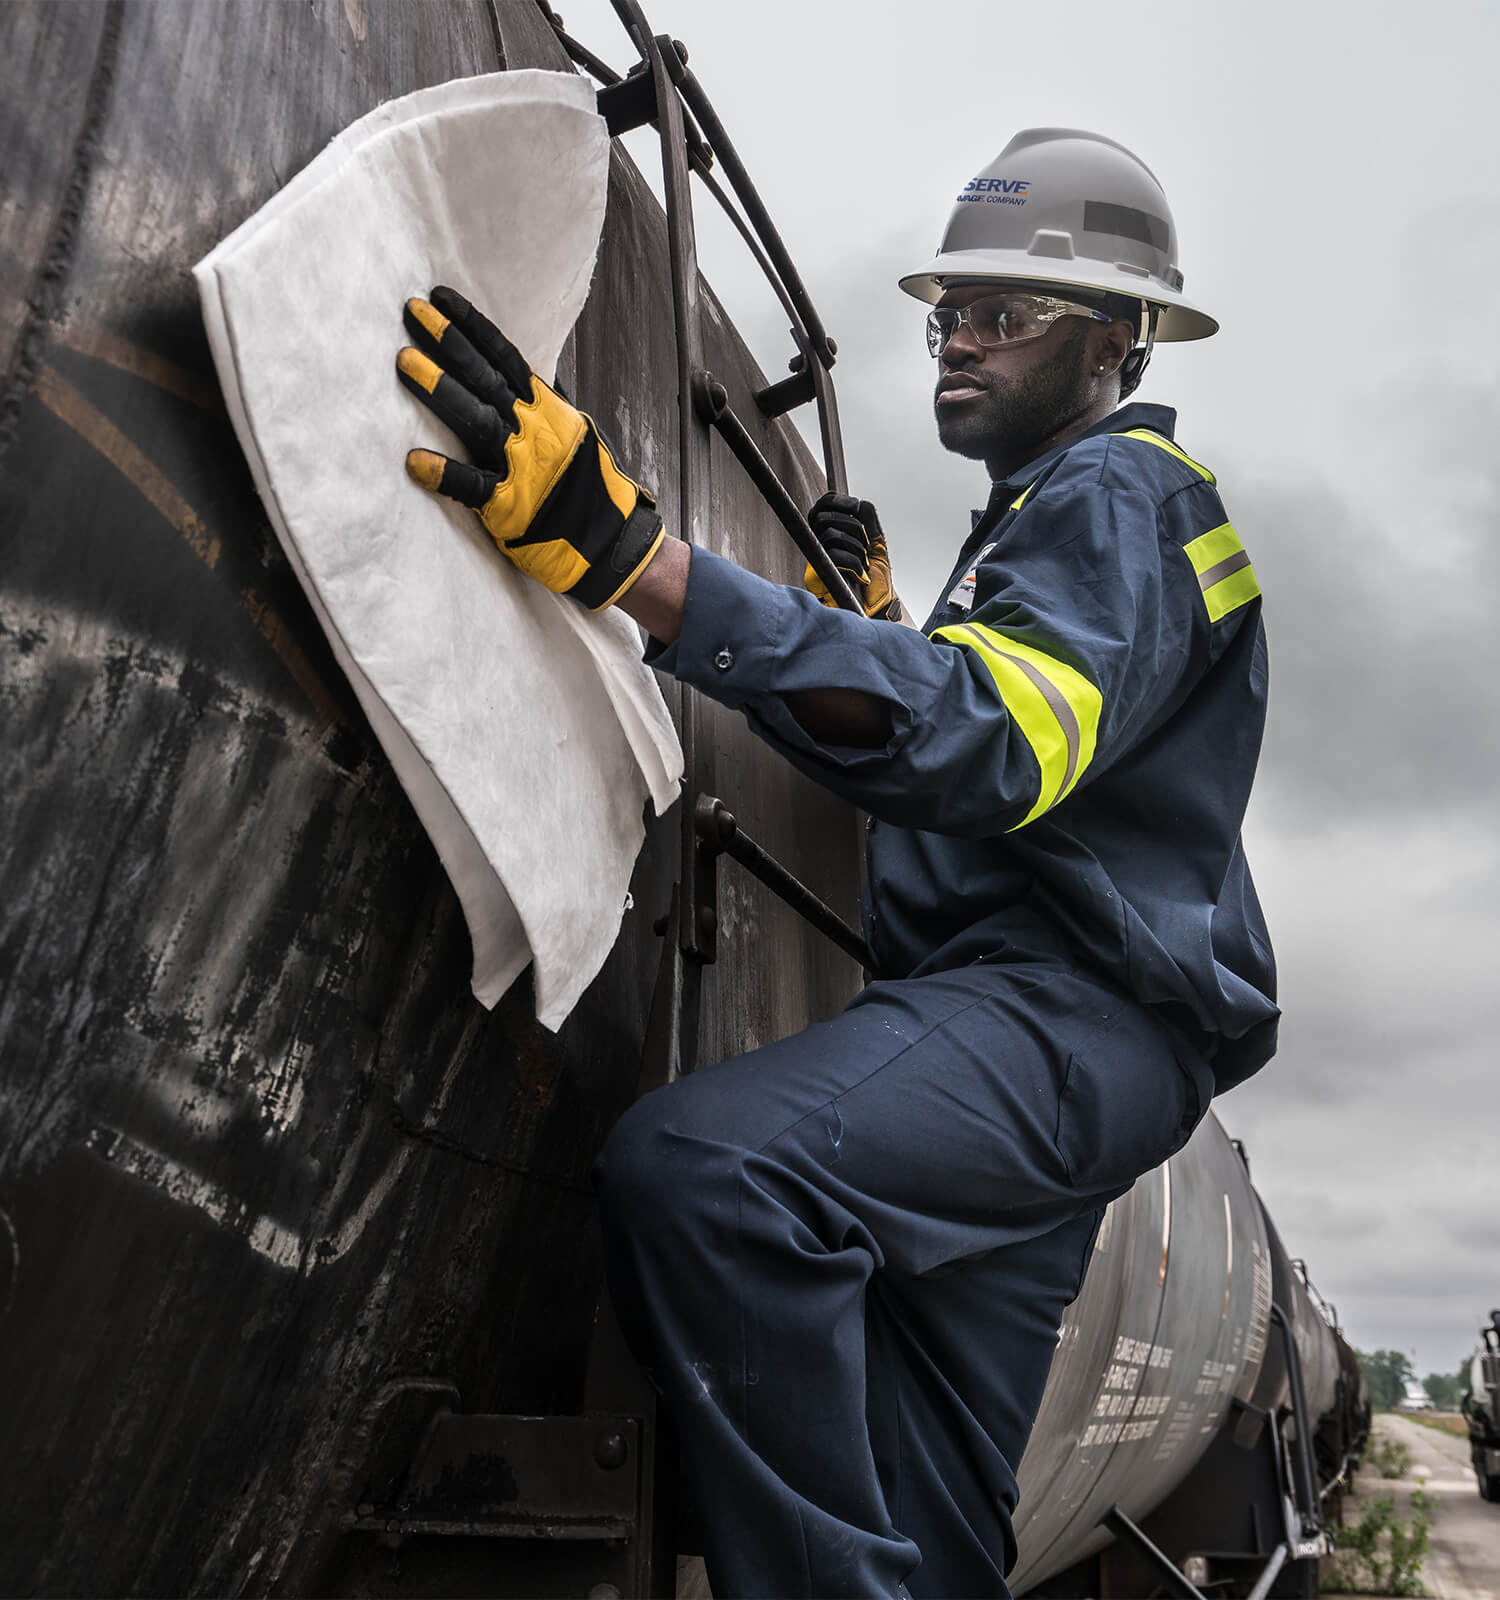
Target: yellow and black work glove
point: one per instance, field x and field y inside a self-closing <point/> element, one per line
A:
<point x="849" y="530"/>
<point x="543" y="482"/>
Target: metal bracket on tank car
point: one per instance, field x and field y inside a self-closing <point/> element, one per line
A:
<point x="671" y="1024"/>
<point x="573" y="1478"/>
<point x="711" y="402"/>
<point x="1304" y="1512"/>
<point x="1171" y="1574"/>
<point x="719" y="831"/>
<point x="579" y="1490"/>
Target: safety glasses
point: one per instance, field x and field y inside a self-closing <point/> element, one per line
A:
<point x="1006" y="318"/>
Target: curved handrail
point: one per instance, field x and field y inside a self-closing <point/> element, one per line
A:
<point x="816" y="350"/>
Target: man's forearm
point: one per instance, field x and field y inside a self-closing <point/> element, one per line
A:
<point x="832" y="716"/>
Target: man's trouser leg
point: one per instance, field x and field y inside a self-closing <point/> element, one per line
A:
<point x="844" y="1259"/>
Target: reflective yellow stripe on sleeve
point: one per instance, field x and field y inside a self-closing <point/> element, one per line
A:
<point x="1224" y="572"/>
<point x="1053" y="705"/>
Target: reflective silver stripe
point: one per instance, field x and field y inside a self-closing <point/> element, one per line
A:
<point x="1067" y="719"/>
<point x="1222" y="569"/>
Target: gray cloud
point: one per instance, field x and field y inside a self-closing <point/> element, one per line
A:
<point x="1385" y="692"/>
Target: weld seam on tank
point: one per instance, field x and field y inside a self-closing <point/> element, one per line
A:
<point x="43" y="302"/>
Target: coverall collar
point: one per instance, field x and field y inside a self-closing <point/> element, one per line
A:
<point x="1160" y="419"/>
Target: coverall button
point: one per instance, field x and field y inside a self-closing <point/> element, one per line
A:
<point x="724" y="660"/>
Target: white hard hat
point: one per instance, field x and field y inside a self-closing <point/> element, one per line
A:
<point x="1061" y="208"/>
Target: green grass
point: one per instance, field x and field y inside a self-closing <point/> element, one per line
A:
<point x="1381" y="1553"/>
<point x="1391" y="1458"/>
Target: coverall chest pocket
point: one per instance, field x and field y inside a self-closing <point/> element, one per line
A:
<point x="1126" y="1104"/>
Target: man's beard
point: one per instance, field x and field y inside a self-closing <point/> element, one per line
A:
<point x="1018" y="414"/>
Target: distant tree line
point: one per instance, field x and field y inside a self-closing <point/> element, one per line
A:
<point x="1387" y="1372"/>
<point x="1445" y="1390"/>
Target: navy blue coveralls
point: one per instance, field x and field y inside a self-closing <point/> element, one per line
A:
<point x="844" y="1258"/>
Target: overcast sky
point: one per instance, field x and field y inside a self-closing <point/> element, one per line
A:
<point x="1331" y="169"/>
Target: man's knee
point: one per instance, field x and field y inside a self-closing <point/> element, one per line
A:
<point x="652" y="1175"/>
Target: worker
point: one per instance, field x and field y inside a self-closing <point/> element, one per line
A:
<point x="844" y="1258"/>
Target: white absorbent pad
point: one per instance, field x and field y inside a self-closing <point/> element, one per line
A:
<point x="526" y="731"/>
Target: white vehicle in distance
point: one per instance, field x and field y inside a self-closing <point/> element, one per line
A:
<point x="1416" y="1397"/>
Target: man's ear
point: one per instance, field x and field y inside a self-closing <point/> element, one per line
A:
<point x="1112" y="343"/>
